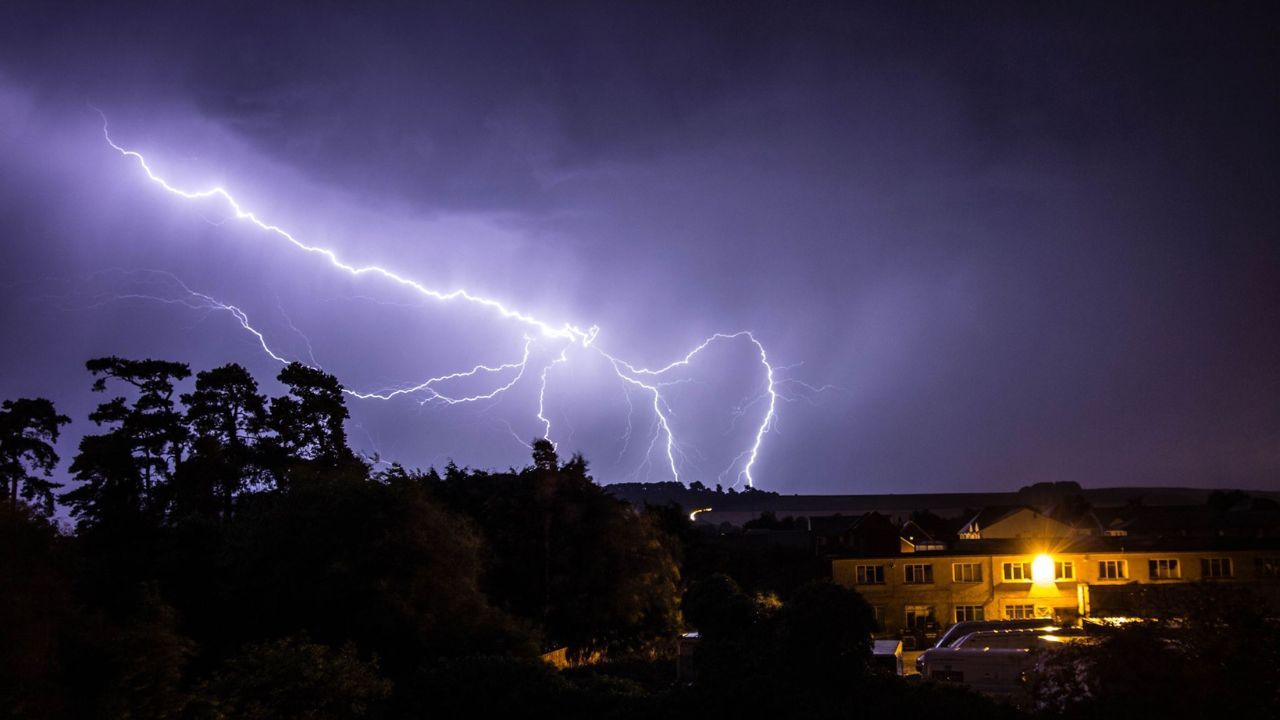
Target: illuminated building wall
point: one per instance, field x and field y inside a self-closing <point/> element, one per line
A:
<point x="916" y="595"/>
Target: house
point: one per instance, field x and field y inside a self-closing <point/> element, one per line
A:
<point x="868" y="532"/>
<point x="916" y="594"/>
<point x="913" y="538"/>
<point x="1014" y="521"/>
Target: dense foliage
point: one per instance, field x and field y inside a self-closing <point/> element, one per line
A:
<point x="231" y="557"/>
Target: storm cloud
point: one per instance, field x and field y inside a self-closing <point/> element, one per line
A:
<point x="1018" y="243"/>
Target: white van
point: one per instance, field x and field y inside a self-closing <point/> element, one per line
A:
<point x="998" y="672"/>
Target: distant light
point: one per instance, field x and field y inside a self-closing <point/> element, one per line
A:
<point x="693" y="516"/>
<point x="1042" y="569"/>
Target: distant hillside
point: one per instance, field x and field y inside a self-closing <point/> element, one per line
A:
<point x="756" y="501"/>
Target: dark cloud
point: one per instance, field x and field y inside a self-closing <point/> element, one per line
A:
<point x="1027" y="243"/>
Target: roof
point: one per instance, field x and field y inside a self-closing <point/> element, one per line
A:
<point x="834" y="524"/>
<point x="913" y="532"/>
<point x="992" y="514"/>
<point x="1202" y="520"/>
<point x="1083" y="544"/>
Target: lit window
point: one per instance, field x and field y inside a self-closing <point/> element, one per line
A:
<point x="1042" y="569"/>
<point x="1215" y="567"/>
<point x="919" y="617"/>
<point x="1064" y="570"/>
<point x="868" y="574"/>
<point x="970" y="612"/>
<point x="1019" y="612"/>
<point x="966" y="572"/>
<point x="1017" y="572"/>
<point x="1164" y="569"/>
<point x="918" y="573"/>
<point x="1113" y="569"/>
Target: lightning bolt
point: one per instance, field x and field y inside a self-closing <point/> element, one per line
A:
<point x="429" y="384"/>
<point x="198" y="301"/>
<point x="542" y="391"/>
<point x="651" y="381"/>
<point x="567" y="330"/>
<point x="195" y="300"/>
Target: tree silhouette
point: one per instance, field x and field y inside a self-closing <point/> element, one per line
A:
<point x="544" y="455"/>
<point x="28" y="429"/>
<point x="308" y="421"/>
<point x="825" y="631"/>
<point x="294" y="678"/>
<point x="374" y="561"/>
<point x="226" y="406"/>
<point x="128" y="468"/>
<point x="227" y="417"/>
<point x="596" y="574"/>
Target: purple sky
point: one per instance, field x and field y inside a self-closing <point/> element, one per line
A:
<point x="1018" y="243"/>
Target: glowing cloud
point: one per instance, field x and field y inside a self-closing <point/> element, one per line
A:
<point x="567" y="336"/>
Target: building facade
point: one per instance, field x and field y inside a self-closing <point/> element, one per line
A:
<point x="917" y="594"/>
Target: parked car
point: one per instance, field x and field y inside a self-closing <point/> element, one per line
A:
<point x="960" y="629"/>
<point x="1021" y="638"/>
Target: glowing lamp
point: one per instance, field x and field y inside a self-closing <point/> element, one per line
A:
<point x="1042" y="569"/>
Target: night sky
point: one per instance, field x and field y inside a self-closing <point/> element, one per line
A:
<point x="982" y="246"/>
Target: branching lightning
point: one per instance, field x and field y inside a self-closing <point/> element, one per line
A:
<point x="568" y="336"/>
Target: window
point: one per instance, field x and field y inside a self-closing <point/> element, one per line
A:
<point x="878" y="612"/>
<point x="1164" y="569"/>
<point x="921" y="573"/>
<point x="1113" y="569"/>
<point x="868" y="574"/>
<point x="1215" y="567"/>
<point x="966" y="572"/>
<point x="919" y="616"/>
<point x="1019" y="612"/>
<point x="1267" y="568"/>
<point x="1017" y="572"/>
<point x="970" y="612"/>
<point x="1064" y="570"/>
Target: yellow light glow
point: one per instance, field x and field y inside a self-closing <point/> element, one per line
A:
<point x="693" y="516"/>
<point x="1042" y="569"/>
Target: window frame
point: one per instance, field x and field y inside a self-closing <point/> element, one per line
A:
<point x="1027" y="611"/>
<point x="1024" y="571"/>
<point x="1064" y="571"/>
<point x="973" y="613"/>
<point x="1207" y="565"/>
<point x="912" y="620"/>
<point x="907" y="574"/>
<point x="863" y="571"/>
<point x="1172" y="569"/>
<point x="1121" y="570"/>
<point x="957" y="572"/>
